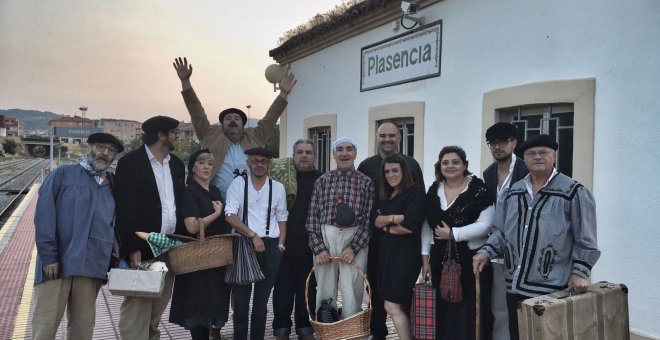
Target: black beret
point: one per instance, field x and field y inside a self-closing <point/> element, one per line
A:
<point x="222" y="115"/>
<point x="159" y="124"/>
<point x="192" y="160"/>
<point x="102" y="137"/>
<point x="501" y="130"/>
<point x="260" y="152"/>
<point x="539" y="140"/>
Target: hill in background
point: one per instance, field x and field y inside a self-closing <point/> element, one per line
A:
<point x="30" y="119"/>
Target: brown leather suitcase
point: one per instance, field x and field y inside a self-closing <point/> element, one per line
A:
<point x="600" y="313"/>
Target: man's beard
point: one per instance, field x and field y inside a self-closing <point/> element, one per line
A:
<point x="170" y="145"/>
<point x="98" y="164"/>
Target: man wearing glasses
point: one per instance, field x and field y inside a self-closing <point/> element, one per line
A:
<point x="148" y="190"/>
<point x="74" y="233"/>
<point x="545" y="227"/>
<point x="266" y="227"/>
<point x="499" y="176"/>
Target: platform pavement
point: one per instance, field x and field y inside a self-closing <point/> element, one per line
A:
<point x="17" y="261"/>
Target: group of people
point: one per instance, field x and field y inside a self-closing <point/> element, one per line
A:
<point x="526" y="228"/>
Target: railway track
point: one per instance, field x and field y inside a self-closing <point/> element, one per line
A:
<point x="15" y="179"/>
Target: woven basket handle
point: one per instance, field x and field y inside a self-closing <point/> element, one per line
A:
<point x="309" y="277"/>
<point x="202" y="237"/>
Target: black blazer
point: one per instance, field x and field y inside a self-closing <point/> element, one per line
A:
<point x="490" y="175"/>
<point x="138" y="202"/>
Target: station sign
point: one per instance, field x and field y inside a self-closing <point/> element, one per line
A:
<point x="404" y="58"/>
<point x="74" y="132"/>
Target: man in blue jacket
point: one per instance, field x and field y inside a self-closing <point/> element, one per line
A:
<point x="74" y="232"/>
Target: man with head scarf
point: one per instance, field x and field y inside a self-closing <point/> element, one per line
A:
<point x="74" y="245"/>
<point x="149" y="183"/>
<point x="338" y="225"/>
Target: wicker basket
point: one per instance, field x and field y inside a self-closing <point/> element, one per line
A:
<point x="205" y="253"/>
<point x="354" y="327"/>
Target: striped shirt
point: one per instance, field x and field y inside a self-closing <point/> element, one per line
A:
<point x="356" y="190"/>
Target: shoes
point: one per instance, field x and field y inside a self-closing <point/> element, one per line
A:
<point x="214" y="334"/>
<point x="306" y="337"/>
<point x="282" y="337"/>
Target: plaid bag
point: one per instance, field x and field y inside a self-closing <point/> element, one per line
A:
<point x="422" y="312"/>
<point x="245" y="269"/>
<point x="450" y="279"/>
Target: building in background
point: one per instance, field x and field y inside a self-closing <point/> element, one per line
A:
<point x="124" y="130"/>
<point x="186" y="133"/>
<point x="9" y="126"/>
<point x="584" y="72"/>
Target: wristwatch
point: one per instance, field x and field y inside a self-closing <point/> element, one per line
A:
<point x="282" y="247"/>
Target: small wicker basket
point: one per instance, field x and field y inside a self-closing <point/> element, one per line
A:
<point x="354" y="327"/>
<point x="205" y="253"/>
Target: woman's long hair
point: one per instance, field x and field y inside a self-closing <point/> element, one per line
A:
<point x="406" y="176"/>
<point x="449" y="149"/>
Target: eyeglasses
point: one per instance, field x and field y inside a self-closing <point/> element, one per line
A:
<point x="498" y="143"/>
<point x="533" y="154"/>
<point x="104" y="148"/>
<point x="259" y="161"/>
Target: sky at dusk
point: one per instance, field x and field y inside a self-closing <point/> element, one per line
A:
<point x="115" y="57"/>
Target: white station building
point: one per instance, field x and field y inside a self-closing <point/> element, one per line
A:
<point x="586" y="72"/>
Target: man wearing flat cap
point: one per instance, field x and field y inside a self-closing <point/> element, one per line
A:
<point x="338" y="226"/>
<point x="149" y="183"/>
<point x="545" y="228"/>
<point x="74" y="245"/>
<point x="228" y="141"/>
<point x="507" y="169"/>
<point x="263" y="215"/>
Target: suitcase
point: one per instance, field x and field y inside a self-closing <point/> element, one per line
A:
<point x="600" y="313"/>
<point x="422" y="312"/>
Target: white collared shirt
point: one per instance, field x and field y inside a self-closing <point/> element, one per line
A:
<point x="165" y="186"/>
<point x="528" y="182"/>
<point x="258" y="205"/>
<point x="507" y="181"/>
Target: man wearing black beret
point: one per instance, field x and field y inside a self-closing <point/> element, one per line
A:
<point x="149" y="183"/>
<point x="228" y="141"/>
<point x="507" y="169"/>
<point x="74" y="245"/>
<point x="545" y="228"/>
<point x="263" y="216"/>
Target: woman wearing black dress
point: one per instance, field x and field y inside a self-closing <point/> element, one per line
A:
<point x="401" y="214"/>
<point x="459" y="206"/>
<point x="198" y="296"/>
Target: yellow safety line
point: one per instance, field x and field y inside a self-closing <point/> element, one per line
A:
<point x="19" y="210"/>
<point x="22" y="317"/>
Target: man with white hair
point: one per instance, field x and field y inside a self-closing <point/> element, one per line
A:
<point x="338" y="226"/>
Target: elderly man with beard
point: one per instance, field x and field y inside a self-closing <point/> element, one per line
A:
<point x="266" y="227"/>
<point x="149" y="184"/>
<point x="74" y="245"/>
<point x="388" y="138"/>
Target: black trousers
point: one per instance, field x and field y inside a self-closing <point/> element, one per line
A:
<point x="378" y="314"/>
<point x="289" y="290"/>
<point x="269" y="261"/>
<point x="512" y="306"/>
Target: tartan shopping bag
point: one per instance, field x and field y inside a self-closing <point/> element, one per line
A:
<point x="422" y="312"/>
<point x="450" y="278"/>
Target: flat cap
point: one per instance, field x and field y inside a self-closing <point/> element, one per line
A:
<point x="222" y="115"/>
<point x="159" y="124"/>
<point x="501" y="130"/>
<point x="260" y="152"/>
<point x="539" y="140"/>
<point x="102" y="137"/>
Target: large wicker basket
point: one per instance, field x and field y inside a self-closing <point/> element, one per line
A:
<point x="205" y="253"/>
<point x="354" y="327"/>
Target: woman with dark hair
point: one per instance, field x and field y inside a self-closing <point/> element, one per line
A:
<point x="198" y="296"/>
<point x="400" y="217"/>
<point x="458" y="206"/>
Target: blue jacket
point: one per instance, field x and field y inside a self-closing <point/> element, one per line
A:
<point x="74" y="224"/>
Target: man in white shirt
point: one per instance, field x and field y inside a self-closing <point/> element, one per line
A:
<point x="266" y="227"/>
<point x="505" y="170"/>
<point x="148" y="185"/>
